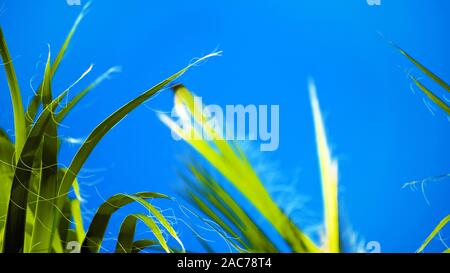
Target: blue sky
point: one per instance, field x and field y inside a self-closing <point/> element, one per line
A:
<point x="382" y="133"/>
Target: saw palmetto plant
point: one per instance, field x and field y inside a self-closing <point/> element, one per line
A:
<point x="38" y="213"/>
<point x="226" y="214"/>
<point x="445" y="107"/>
<point x="218" y="204"/>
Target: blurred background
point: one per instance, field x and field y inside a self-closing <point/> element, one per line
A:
<point x="382" y="132"/>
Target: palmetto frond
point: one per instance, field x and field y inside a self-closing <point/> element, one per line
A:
<point x="210" y="197"/>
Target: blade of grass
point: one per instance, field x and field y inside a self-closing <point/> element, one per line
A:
<point x="329" y="176"/>
<point x="140" y="245"/>
<point x="33" y="197"/>
<point x="19" y="114"/>
<point x="45" y="225"/>
<point x="128" y="228"/>
<point x="432" y="96"/>
<point x="64" y="227"/>
<point x="7" y="162"/>
<point x="77" y="219"/>
<point x="424" y="69"/>
<point x="99" y="223"/>
<point x="16" y="217"/>
<point x="433" y="234"/>
<point x="33" y="106"/>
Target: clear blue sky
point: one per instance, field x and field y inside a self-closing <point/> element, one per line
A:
<point x="382" y="133"/>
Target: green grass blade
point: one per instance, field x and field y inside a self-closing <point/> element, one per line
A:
<point x="434" y="233"/>
<point x="431" y="95"/>
<point x="33" y="106"/>
<point x="64" y="226"/>
<point x="45" y="225"/>
<point x="16" y="217"/>
<point x="75" y="208"/>
<point x="33" y="197"/>
<point x="126" y="235"/>
<point x="7" y="162"/>
<point x="329" y="176"/>
<point x="97" y="228"/>
<point x="128" y="228"/>
<point x="140" y="245"/>
<point x="424" y="69"/>
<point x="71" y="216"/>
<point x="77" y="220"/>
<point x="19" y="113"/>
<point x="161" y="219"/>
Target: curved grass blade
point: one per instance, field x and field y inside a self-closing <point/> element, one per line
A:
<point x="19" y="114"/>
<point x="128" y="228"/>
<point x="97" y="228"/>
<point x="433" y="234"/>
<point x="140" y="245"/>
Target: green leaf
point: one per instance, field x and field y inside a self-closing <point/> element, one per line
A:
<point x="424" y="69"/>
<point x="7" y="162"/>
<point x="64" y="226"/>
<point x="36" y="101"/>
<point x="16" y="217"/>
<point x="97" y="228"/>
<point x="45" y="225"/>
<point x="435" y="231"/>
<point x="432" y="96"/>
<point x="140" y="245"/>
<point x="19" y="114"/>
<point x="77" y="216"/>
<point x="128" y="228"/>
